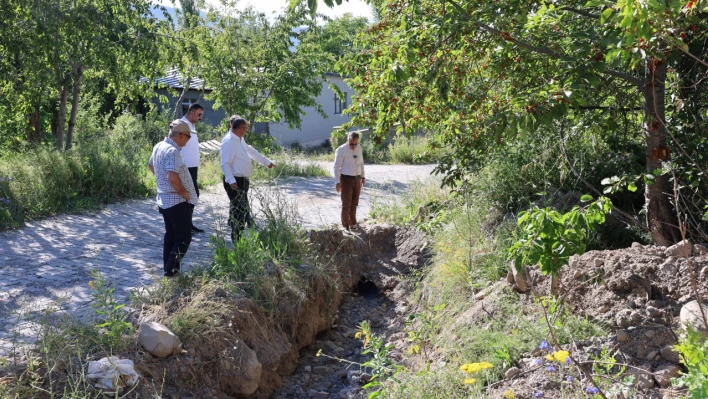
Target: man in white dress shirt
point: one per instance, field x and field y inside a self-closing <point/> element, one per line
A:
<point x="349" y="177"/>
<point x="190" y="152"/>
<point x="236" y="164"/>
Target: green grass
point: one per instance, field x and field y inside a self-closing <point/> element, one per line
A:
<point x="210" y="171"/>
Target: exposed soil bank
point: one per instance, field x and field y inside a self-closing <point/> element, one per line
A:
<point x="250" y="352"/>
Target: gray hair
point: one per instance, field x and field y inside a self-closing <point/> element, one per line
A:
<point x="352" y="135"/>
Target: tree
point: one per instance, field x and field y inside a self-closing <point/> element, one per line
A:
<point x="494" y="70"/>
<point x="255" y="69"/>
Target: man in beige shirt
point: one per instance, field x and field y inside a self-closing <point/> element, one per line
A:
<point x="349" y="177"/>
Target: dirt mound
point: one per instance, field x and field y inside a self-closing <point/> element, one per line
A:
<point x="248" y="352"/>
<point x="638" y="294"/>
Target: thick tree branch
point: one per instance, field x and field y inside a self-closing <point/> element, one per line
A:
<point x="541" y="50"/>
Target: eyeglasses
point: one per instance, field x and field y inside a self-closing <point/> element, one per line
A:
<point x="189" y="136"/>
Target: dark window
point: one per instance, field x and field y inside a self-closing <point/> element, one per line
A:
<point x="340" y="104"/>
<point x="186" y="104"/>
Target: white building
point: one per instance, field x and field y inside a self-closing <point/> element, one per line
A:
<point x="315" y="129"/>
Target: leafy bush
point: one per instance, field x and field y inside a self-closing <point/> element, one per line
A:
<point x="694" y="349"/>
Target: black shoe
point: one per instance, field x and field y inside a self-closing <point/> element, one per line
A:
<point x="197" y="229"/>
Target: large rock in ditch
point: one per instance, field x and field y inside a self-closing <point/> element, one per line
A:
<point x="665" y="373"/>
<point x="158" y="340"/>
<point x="691" y="316"/>
<point x="241" y="371"/>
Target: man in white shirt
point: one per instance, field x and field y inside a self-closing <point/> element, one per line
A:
<point x="349" y="177"/>
<point x="236" y="164"/>
<point x="190" y="152"/>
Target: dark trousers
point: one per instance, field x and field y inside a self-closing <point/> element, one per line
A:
<point x="351" y="188"/>
<point x="193" y="173"/>
<point x="178" y="235"/>
<point x="239" y="210"/>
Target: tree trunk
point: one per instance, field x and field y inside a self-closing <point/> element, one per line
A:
<point x="178" y="107"/>
<point x="661" y="217"/>
<point x="75" y="93"/>
<point x="61" y="117"/>
<point x="35" y="127"/>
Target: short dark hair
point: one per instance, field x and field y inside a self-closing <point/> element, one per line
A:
<point x="236" y="121"/>
<point x="352" y="135"/>
<point x="194" y="107"/>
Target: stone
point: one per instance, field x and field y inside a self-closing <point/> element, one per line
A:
<point x="652" y="355"/>
<point x="669" y="353"/>
<point x="240" y="373"/>
<point x="111" y="373"/>
<point x="510" y="277"/>
<point x="598" y="262"/>
<point x="519" y="279"/>
<point x="308" y="369"/>
<point x="511" y="372"/>
<point x="653" y="312"/>
<point x="353" y="376"/>
<point x="643" y="378"/>
<point x="578" y="275"/>
<point x="622" y="336"/>
<point x="650" y="334"/>
<point x="665" y="373"/>
<point x="627" y="318"/>
<point x="603" y="309"/>
<point x="669" y="266"/>
<point x="480" y="295"/>
<point x="681" y="249"/>
<point x="321" y="370"/>
<point x="690" y="316"/>
<point x="321" y="395"/>
<point x="700" y="249"/>
<point x="636" y="245"/>
<point x="158" y="340"/>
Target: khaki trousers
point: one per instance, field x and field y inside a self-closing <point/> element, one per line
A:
<point x="351" y="188"/>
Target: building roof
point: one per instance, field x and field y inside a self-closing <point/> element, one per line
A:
<point x="173" y="79"/>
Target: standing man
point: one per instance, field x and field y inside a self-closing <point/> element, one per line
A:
<point x="190" y="152"/>
<point x="176" y="196"/>
<point x="236" y="164"/>
<point x="349" y="177"/>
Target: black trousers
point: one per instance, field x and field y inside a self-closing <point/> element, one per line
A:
<point x="239" y="210"/>
<point x="178" y="235"/>
<point x="193" y="173"/>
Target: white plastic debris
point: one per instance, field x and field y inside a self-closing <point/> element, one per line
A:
<point x="112" y="373"/>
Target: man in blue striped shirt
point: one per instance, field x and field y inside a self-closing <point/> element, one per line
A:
<point x="176" y="195"/>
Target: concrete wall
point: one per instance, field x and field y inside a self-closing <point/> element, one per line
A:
<point x="315" y="129"/>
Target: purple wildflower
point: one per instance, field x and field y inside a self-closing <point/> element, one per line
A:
<point x="537" y="362"/>
<point x="551" y="369"/>
<point x="567" y="360"/>
<point x="569" y="378"/>
<point x="544" y="345"/>
<point x="592" y="390"/>
<point x="538" y="394"/>
<point x="5" y="200"/>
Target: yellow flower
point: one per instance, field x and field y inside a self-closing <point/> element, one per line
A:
<point x="509" y="394"/>
<point x="91" y="284"/>
<point x="471" y="368"/>
<point x="549" y="357"/>
<point x="561" y="356"/>
<point x="470" y="380"/>
<point x="319" y="352"/>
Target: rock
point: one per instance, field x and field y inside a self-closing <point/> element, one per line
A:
<point x="622" y="336"/>
<point x="650" y="334"/>
<point x="480" y="295"/>
<point x="665" y="373"/>
<point x="519" y="279"/>
<point x="700" y="249"/>
<point x="321" y="370"/>
<point x="682" y="249"/>
<point x="511" y="372"/>
<point x="656" y="303"/>
<point x="653" y="312"/>
<point x="652" y="355"/>
<point x="365" y="378"/>
<point x="578" y="275"/>
<point x="669" y="266"/>
<point x="603" y="309"/>
<point x="112" y="373"/>
<point x="308" y="369"/>
<point x="643" y="378"/>
<point x="598" y="262"/>
<point x="241" y="371"/>
<point x="510" y="277"/>
<point x="158" y="340"/>
<point x="627" y="318"/>
<point x="636" y="245"/>
<point x="353" y="376"/>
<point x="690" y="316"/>
<point x="669" y="353"/>
<point x="704" y="273"/>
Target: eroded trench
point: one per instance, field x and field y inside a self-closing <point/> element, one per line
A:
<point x="380" y="297"/>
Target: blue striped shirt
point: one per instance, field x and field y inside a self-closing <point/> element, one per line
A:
<point x="165" y="158"/>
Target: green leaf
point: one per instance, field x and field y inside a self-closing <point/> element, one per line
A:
<point x="632" y="187"/>
<point x="605" y="15"/>
<point x="586" y="198"/>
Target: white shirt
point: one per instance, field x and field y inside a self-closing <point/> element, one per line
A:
<point x="190" y="152"/>
<point x="236" y="157"/>
<point x="348" y="162"/>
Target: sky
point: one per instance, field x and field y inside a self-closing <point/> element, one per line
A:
<point x="356" y="7"/>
